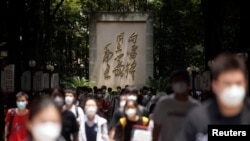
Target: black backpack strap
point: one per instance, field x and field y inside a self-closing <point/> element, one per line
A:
<point x="76" y="108"/>
<point x="12" y="115"/>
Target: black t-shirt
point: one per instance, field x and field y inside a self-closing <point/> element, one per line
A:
<point x="196" y="124"/>
<point x="69" y="124"/>
<point x="126" y="132"/>
<point x="119" y="113"/>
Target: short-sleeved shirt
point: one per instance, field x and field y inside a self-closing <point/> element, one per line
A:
<point x="169" y="113"/>
<point x="70" y="125"/>
<point x="195" y="126"/>
<point x="18" y="131"/>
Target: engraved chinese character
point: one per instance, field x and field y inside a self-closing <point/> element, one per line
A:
<point x="118" y="70"/>
<point x="107" y="54"/>
<point x="130" y="69"/>
<point x="118" y="58"/>
<point x="106" y="72"/>
<point x="119" y="40"/>
<point x="133" y="38"/>
<point x="133" y="53"/>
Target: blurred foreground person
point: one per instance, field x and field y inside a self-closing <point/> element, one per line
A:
<point x="229" y="82"/>
<point x="116" y="118"/>
<point x="95" y="127"/>
<point x="126" y="124"/>
<point x="171" y="110"/>
<point x="15" y="127"/>
<point x="44" y="122"/>
<point x="69" y="124"/>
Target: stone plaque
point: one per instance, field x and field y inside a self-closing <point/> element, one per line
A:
<point x="121" y="49"/>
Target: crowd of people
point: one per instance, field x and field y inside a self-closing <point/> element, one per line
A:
<point x="102" y="114"/>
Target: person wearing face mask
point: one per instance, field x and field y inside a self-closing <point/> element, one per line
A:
<point x="130" y="93"/>
<point x="70" y="98"/>
<point x="15" y="127"/>
<point x="122" y="102"/>
<point x="44" y="121"/>
<point x="69" y="123"/>
<point x="95" y="127"/>
<point x="103" y="105"/>
<point x="229" y="105"/>
<point x="126" y="123"/>
<point x="171" y="110"/>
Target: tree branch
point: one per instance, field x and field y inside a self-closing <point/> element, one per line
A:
<point x="57" y="8"/>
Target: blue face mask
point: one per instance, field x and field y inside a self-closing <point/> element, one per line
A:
<point x="21" y="105"/>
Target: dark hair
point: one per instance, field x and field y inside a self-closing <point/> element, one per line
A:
<point x="179" y="73"/>
<point x="70" y="91"/>
<point x="118" y="87"/>
<point x="22" y="94"/>
<point x="227" y="62"/>
<point x="39" y="105"/>
<point x="104" y="87"/>
<point x="131" y="90"/>
<point x="109" y="89"/>
<point x="90" y="98"/>
<point x="59" y="91"/>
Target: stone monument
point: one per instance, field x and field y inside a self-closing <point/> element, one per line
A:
<point x="121" y="49"/>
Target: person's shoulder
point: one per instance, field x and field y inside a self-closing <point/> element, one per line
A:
<point x="166" y="98"/>
<point x="194" y="101"/>
<point x="101" y="120"/>
<point x="201" y="110"/>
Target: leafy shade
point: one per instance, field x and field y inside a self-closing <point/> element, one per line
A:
<point x="161" y="84"/>
<point x="76" y="81"/>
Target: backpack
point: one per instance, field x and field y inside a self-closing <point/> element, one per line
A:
<point x="123" y="122"/>
<point x="12" y="115"/>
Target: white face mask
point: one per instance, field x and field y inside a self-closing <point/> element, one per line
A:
<point x="91" y="111"/>
<point x="132" y="97"/>
<point x="130" y="112"/>
<point x="58" y="100"/>
<point x="122" y="104"/>
<point x="180" y="87"/>
<point x="69" y="100"/>
<point x="233" y="96"/>
<point x="46" y="131"/>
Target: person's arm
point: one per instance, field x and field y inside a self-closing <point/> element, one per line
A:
<point x="156" y="131"/>
<point x="75" y="136"/>
<point x="118" y="132"/>
<point x="6" y="131"/>
<point x="112" y="134"/>
<point x="7" y="125"/>
<point x="113" y="124"/>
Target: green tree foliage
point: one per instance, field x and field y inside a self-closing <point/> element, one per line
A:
<point x="76" y="81"/>
<point x="178" y="32"/>
<point x="56" y="32"/>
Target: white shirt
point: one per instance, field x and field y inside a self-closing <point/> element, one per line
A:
<point x="169" y="113"/>
<point x="80" y="118"/>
